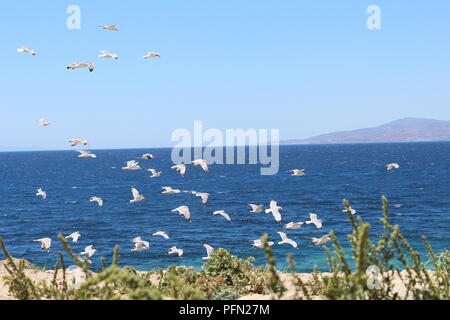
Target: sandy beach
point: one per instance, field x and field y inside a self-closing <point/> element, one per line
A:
<point x="77" y="276"/>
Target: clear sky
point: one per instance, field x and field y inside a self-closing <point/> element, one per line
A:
<point x="302" y="66"/>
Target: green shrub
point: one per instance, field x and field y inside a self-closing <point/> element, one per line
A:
<point x="226" y="294"/>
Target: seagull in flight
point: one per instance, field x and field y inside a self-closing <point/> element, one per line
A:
<point x="286" y="240"/>
<point x="136" y="195"/>
<point x="162" y="234"/>
<point x="111" y="27"/>
<point x="350" y="210"/>
<point x="79" y="65"/>
<point x="293" y="225"/>
<point x="86" y="154"/>
<point x="169" y="190"/>
<point x="140" y="245"/>
<point x="209" y="251"/>
<point x="75" y="142"/>
<point x="184" y="212"/>
<point x="46" y="243"/>
<point x="108" y="55"/>
<point x="147" y="156"/>
<point x="203" y="195"/>
<point x="175" y="250"/>
<point x="297" y="172"/>
<point x="43" y="123"/>
<point x="26" y="50"/>
<point x="202" y="163"/>
<point x="137" y="239"/>
<point x="74" y="236"/>
<point x="181" y="169"/>
<point x="89" y="251"/>
<point x="42" y="193"/>
<point x="223" y="214"/>
<point x="98" y="200"/>
<point x="259" y="244"/>
<point x="392" y="166"/>
<point x="322" y="240"/>
<point x="275" y="210"/>
<point x="256" y="208"/>
<point x="314" y="220"/>
<point x="154" y="173"/>
<point x="132" y="165"/>
<point x="152" y="55"/>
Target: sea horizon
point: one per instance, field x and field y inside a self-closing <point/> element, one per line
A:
<point x="224" y="146"/>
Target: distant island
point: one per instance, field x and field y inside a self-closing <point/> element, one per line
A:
<point x="403" y="130"/>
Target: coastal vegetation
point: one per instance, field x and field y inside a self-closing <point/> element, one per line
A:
<point x="376" y="268"/>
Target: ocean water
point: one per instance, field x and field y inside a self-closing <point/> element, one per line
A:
<point x="419" y="194"/>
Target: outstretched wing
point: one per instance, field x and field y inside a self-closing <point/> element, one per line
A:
<point x="209" y="249"/>
<point x="282" y="235"/>
<point x="135" y="192"/>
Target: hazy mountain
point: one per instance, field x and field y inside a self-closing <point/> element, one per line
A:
<point x="403" y="130"/>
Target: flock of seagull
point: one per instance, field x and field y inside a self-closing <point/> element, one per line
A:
<point x="183" y="211"/>
<point x="105" y="54"/>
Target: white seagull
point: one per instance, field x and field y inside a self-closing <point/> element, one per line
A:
<point x="154" y="173"/>
<point x="46" y="243"/>
<point x="259" y="244"/>
<point x="256" y="208"/>
<point x="89" y="251"/>
<point x="137" y="239"/>
<point x="184" y="212"/>
<point x="203" y="195"/>
<point x="136" y="195"/>
<point x="43" y="123"/>
<point x="350" y="210"/>
<point x="314" y="220"/>
<point x="275" y="210"/>
<point x="297" y="172"/>
<point x="141" y="245"/>
<point x="111" y="27"/>
<point x="181" y="169"/>
<point x="75" y="142"/>
<point x="86" y="154"/>
<point x="391" y="166"/>
<point x="175" y="250"/>
<point x="26" y="50"/>
<point x="152" y="55"/>
<point x="201" y="163"/>
<point x="321" y="240"/>
<point x="74" y="236"/>
<point x="132" y="165"/>
<point x="169" y="190"/>
<point x="147" y="156"/>
<point x="42" y="193"/>
<point x="286" y="240"/>
<point x="107" y="54"/>
<point x="223" y="214"/>
<point x="98" y="200"/>
<point x="209" y="251"/>
<point x="293" y="225"/>
<point x="79" y="65"/>
<point x="162" y="234"/>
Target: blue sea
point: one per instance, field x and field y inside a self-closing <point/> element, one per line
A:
<point x="418" y="193"/>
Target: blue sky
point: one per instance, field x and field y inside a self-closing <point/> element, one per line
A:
<point x="304" y="67"/>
